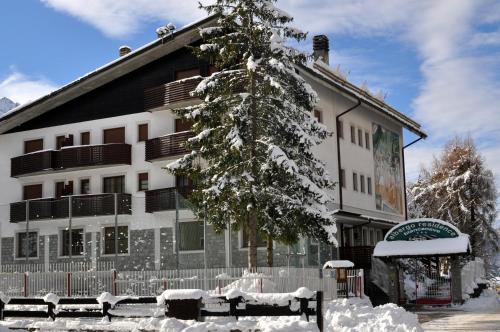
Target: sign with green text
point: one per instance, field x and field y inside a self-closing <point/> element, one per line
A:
<point x="422" y="229"/>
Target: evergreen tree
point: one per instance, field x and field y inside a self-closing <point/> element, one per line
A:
<point x="460" y="189"/>
<point x="252" y="154"/>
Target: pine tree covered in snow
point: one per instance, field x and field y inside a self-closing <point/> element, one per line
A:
<point x="458" y="188"/>
<point x="252" y="154"/>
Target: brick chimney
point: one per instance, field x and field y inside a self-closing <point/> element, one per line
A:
<point x="321" y="48"/>
<point x="124" y="50"/>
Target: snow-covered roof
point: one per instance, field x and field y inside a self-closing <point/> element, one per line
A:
<point x="447" y="246"/>
<point x="322" y="70"/>
<point x="338" y="264"/>
<point x="101" y="75"/>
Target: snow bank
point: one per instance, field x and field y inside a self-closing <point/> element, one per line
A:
<point x="249" y="283"/>
<point x="4" y="298"/>
<point x="358" y="315"/>
<point x="488" y="301"/>
<point x="181" y="294"/>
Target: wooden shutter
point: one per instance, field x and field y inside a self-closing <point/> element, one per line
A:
<point x="143" y="132"/>
<point x="85" y="138"/>
<point x="32" y="191"/>
<point x="115" y="135"/>
<point x="187" y="73"/>
<point x="59" y="189"/>
<point x="33" y="145"/>
<point x="182" y="125"/>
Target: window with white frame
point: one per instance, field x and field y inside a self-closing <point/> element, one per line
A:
<point x="367" y="140"/>
<point x="369" y="185"/>
<point x="365" y="237"/>
<point x="362" y="183"/>
<point x="353" y="134"/>
<point x="340" y="129"/>
<point x="76" y="245"/>
<point x="372" y="237"/>
<point x="360" y="137"/>
<point x="29" y="249"/>
<point x="191" y="235"/>
<point x="342" y="178"/>
<point x="380" y="235"/>
<point x="121" y="238"/>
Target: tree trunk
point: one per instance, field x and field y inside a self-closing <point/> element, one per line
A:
<point x="252" y="241"/>
<point x="269" y="250"/>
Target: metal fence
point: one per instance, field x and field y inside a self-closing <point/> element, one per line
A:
<point x="148" y="283"/>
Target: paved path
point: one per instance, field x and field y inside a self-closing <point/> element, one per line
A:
<point x="460" y="321"/>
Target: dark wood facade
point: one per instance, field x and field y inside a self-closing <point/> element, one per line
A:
<point x="82" y="206"/>
<point x="76" y="157"/>
<point x="167" y="146"/>
<point x="171" y="95"/>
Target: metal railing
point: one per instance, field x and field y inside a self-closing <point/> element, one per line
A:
<point x="171" y="93"/>
<point x="167" y="146"/>
<point x="71" y="157"/>
<point x="167" y="199"/>
<point x="82" y="206"/>
<point x="148" y="283"/>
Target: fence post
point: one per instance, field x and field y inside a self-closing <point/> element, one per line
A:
<point x="260" y="286"/>
<point x="362" y="283"/>
<point x="319" y="310"/>
<point x="26" y="292"/>
<point x="164" y="284"/>
<point x="115" y="290"/>
<point x="68" y="291"/>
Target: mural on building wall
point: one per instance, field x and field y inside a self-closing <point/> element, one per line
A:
<point x="387" y="160"/>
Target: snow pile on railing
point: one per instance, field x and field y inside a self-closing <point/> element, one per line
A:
<point x="359" y="315"/>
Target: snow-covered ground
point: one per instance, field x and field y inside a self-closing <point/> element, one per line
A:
<point x="353" y="314"/>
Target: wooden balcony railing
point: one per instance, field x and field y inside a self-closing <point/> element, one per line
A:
<point x="361" y="256"/>
<point x="34" y="162"/>
<point x="165" y="199"/>
<point x="167" y="146"/>
<point x="171" y="94"/>
<point x="81" y="206"/>
<point x="73" y="157"/>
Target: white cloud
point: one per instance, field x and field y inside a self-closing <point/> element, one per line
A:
<point x="118" y="19"/>
<point x="22" y="89"/>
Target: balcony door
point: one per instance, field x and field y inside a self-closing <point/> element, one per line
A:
<point x="113" y="184"/>
<point x="64" y="189"/>
<point x="33" y="145"/>
<point x="114" y="135"/>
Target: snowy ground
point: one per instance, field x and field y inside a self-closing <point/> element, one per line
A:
<point x="479" y="314"/>
<point x="341" y="315"/>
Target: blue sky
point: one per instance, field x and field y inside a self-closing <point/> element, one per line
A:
<point x="438" y="61"/>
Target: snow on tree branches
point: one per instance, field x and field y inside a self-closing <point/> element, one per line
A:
<point x="252" y="154"/>
<point x="459" y="188"/>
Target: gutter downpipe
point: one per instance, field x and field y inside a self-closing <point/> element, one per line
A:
<point x="404" y="172"/>
<point x="339" y="160"/>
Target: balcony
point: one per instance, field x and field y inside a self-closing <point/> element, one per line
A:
<point x="167" y="146"/>
<point x="171" y="95"/>
<point x="165" y="199"/>
<point x="81" y="206"/>
<point x="361" y="256"/>
<point x="71" y="158"/>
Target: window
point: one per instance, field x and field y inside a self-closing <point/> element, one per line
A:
<point x="362" y="183"/>
<point x="340" y="129"/>
<point x="367" y="140"/>
<point x="113" y="184"/>
<point x="360" y="137"/>
<point x="76" y="242"/>
<point x="109" y="240"/>
<point x="318" y="116"/>
<point x="32" y="239"/>
<point x="369" y="185"/>
<point x="365" y="237"/>
<point x="143" y="183"/>
<point x="33" y="145"/>
<point x="182" y="125"/>
<point x="115" y="135"/>
<point x="353" y="135"/>
<point x="342" y="178"/>
<point x="85" y="186"/>
<point x="355" y="181"/>
<point x="143" y="132"/>
<point x="261" y="242"/>
<point x="372" y="237"/>
<point x="191" y="235"/>
<point x="187" y="73"/>
<point x="64" y="140"/>
<point x="33" y="191"/>
<point x="85" y="138"/>
<point x="380" y="236"/>
<point x="64" y="189"/>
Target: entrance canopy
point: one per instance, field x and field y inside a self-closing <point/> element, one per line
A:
<point x="423" y="237"/>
